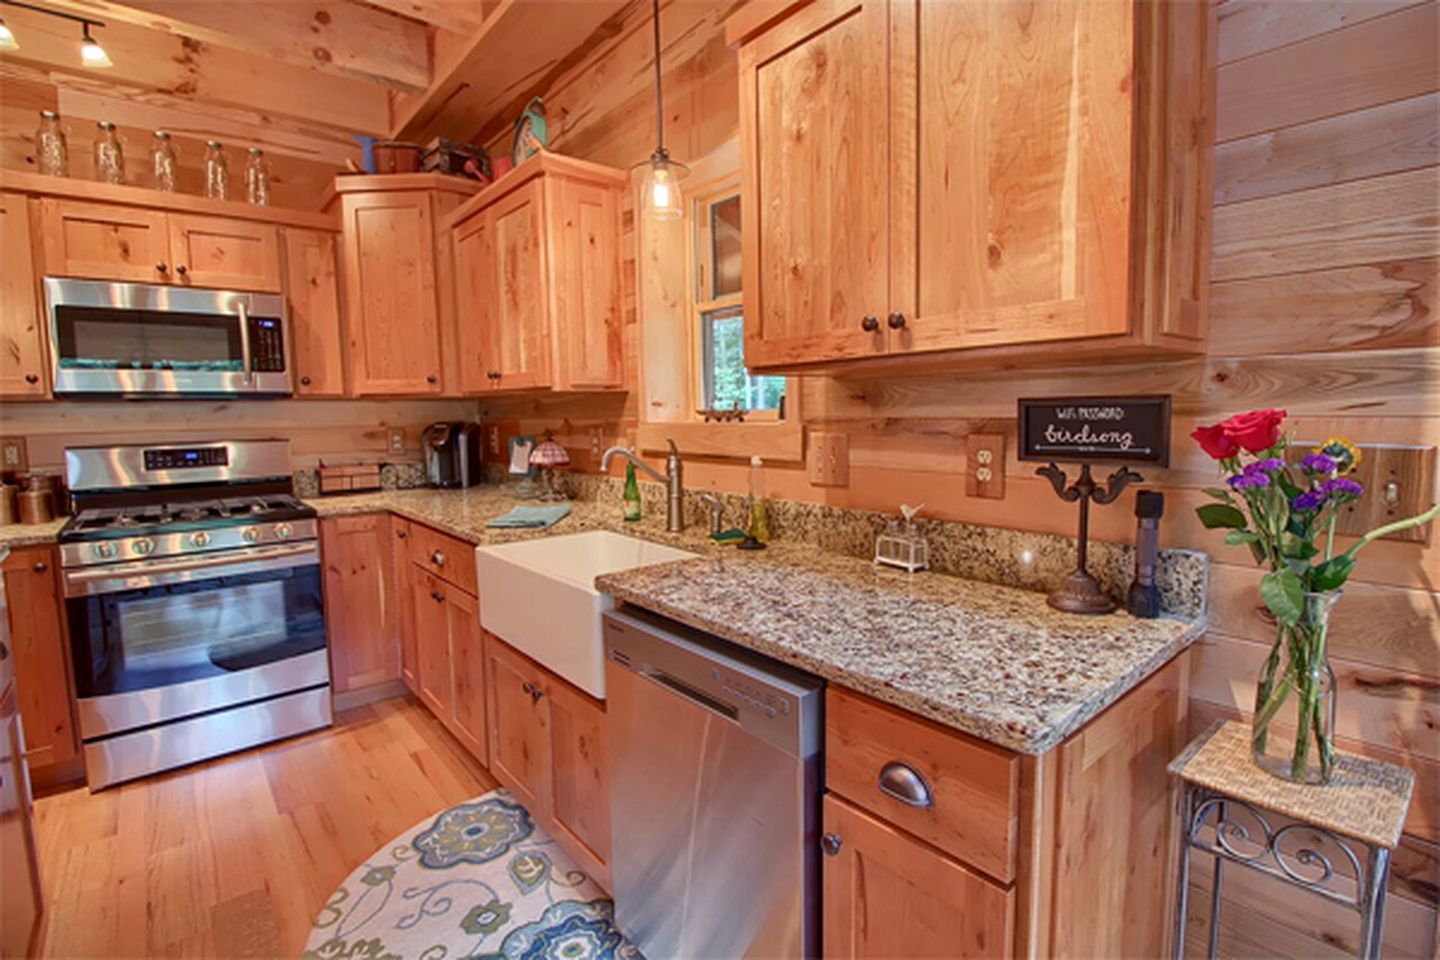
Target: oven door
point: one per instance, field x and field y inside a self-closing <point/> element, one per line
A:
<point x="194" y="636"/>
<point x="136" y="339"/>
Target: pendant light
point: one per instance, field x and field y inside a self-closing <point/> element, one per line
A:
<point x="91" y="53"/>
<point x="7" y="39"/>
<point x="660" y="195"/>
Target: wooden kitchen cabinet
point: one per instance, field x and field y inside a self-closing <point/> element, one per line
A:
<point x="467" y="672"/>
<point x="404" y="585"/>
<point x="519" y="726"/>
<point x="22" y="317"/>
<point x="537" y="265"/>
<point x="312" y="295"/>
<point x="887" y="894"/>
<point x="433" y="684"/>
<point x="38" y="642"/>
<point x="360" y="604"/>
<point x="225" y="254"/>
<point x="1053" y="197"/>
<point x="579" y="776"/>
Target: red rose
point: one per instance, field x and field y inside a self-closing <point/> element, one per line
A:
<point x="1256" y="431"/>
<point x="1216" y="442"/>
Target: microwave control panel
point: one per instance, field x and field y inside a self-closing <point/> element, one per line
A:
<point x="267" y="345"/>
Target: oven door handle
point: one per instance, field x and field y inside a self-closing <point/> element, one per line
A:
<point x="246" y="359"/>
<point x="115" y="578"/>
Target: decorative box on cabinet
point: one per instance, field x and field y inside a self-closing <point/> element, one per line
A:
<point x="537" y="262"/>
<point x="972" y="181"/>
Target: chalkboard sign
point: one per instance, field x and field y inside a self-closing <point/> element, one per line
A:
<point x="1095" y="429"/>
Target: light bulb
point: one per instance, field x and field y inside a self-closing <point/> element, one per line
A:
<point x="7" y="39"/>
<point x="92" y="54"/>
<point x="662" y="192"/>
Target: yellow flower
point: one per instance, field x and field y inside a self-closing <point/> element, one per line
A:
<point x="1345" y="454"/>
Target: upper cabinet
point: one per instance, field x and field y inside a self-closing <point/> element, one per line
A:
<point x="537" y="264"/>
<point x="400" y="318"/>
<point x="975" y="179"/>
<point x="22" y="341"/>
<point x="225" y="254"/>
<point x="312" y="296"/>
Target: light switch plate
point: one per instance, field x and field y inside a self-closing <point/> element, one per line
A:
<point x="985" y="465"/>
<point x="1399" y="482"/>
<point x="395" y="439"/>
<point x="829" y="459"/>
<point x="13" y="458"/>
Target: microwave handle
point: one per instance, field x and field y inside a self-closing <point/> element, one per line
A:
<point x="245" y="357"/>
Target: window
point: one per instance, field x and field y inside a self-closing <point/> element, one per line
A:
<point x="725" y="384"/>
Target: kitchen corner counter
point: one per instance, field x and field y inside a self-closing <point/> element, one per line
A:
<point x="30" y="534"/>
<point x="992" y="661"/>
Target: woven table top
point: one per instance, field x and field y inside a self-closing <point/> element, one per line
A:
<point x="1365" y="799"/>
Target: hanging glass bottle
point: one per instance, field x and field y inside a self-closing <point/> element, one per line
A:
<point x="52" y="153"/>
<point x="163" y="162"/>
<point x="109" y="155"/>
<point x="257" y="179"/>
<point x="217" y="171"/>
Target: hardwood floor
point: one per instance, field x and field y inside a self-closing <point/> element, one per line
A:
<point x="232" y="858"/>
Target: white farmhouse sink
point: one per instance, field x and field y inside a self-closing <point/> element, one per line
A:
<point x="539" y="596"/>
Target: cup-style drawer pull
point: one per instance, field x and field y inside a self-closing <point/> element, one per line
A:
<point x="904" y="783"/>
<point x="437" y="558"/>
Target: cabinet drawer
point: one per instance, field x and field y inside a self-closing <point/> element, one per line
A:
<point x="449" y="558"/>
<point x="972" y="786"/>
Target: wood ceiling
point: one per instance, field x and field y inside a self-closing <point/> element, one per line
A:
<point x="307" y="74"/>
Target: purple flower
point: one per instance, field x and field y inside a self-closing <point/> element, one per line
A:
<point x="1310" y="500"/>
<point x="1249" y="479"/>
<point x="1319" y="463"/>
<point x="1273" y="465"/>
<point x="1342" y="488"/>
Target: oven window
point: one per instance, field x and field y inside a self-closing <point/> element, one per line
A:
<point x="95" y="338"/>
<point x="159" y="636"/>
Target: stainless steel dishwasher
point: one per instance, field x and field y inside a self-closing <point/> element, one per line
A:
<point x="715" y="779"/>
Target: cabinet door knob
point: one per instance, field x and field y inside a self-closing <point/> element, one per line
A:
<point x="32" y="378"/>
<point x="437" y="558"/>
<point x="182" y="269"/>
<point x="431" y="378"/>
<point x="535" y="694"/>
<point x="870" y="324"/>
<point x="437" y="596"/>
<point x="831" y="844"/>
<point x="528" y="687"/>
<point x="41" y="566"/>
<point x="897" y="321"/>
<point x="401" y="534"/>
<point x="162" y="267"/>
<point x="304" y="381"/>
<point x="903" y="782"/>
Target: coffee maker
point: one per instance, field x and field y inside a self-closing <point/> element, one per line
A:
<point x="452" y="453"/>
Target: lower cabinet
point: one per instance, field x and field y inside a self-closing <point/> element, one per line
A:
<point x="547" y="744"/>
<point x="360" y="605"/>
<point x="42" y="666"/>
<point x="890" y="895"/>
<point x="449" y="657"/>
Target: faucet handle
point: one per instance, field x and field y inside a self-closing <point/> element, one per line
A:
<point x="674" y="450"/>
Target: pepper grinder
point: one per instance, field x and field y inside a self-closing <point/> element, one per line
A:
<point x="1144" y="597"/>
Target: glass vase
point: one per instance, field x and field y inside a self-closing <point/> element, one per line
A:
<point x="109" y="155"/>
<point x="217" y="171"/>
<point x="1293" y="733"/>
<point x="164" y="163"/>
<point x="52" y="153"/>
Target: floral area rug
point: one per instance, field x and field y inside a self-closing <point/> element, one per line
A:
<point x="479" y="880"/>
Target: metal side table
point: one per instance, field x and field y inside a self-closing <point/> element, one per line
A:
<point x="1333" y="840"/>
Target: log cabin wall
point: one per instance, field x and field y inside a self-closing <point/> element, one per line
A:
<point x="1326" y="247"/>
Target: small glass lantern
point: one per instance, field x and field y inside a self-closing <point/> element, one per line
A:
<point x="547" y="455"/>
<point x="902" y="545"/>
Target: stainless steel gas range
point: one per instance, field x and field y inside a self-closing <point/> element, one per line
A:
<point x="193" y="595"/>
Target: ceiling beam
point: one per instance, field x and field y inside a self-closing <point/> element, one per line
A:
<point x="201" y="73"/>
<point x="461" y="16"/>
<point x="331" y="36"/>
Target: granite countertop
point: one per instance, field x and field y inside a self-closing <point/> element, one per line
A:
<point x="30" y="534"/>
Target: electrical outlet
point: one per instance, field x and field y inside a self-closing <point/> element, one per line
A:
<point x="830" y="459"/>
<point x="13" y="458"/>
<point x="597" y="441"/>
<point x="492" y="435"/>
<point x="985" y="465"/>
<point x="395" y="439"/>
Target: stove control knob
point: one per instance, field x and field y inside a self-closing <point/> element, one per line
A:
<point x="251" y="534"/>
<point x="199" y="539"/>
<point x="143" y="547"/>
<point x="283" y="531"/>
<point x="104" y="551"/>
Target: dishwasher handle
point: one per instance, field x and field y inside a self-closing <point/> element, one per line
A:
<point x="682" y="689"/>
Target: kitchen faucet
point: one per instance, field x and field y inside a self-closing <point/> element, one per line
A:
<point x="674" y="489"/>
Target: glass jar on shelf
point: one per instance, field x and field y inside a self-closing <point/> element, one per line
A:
<point x="217" y="171"/>
<point x="52" y="153"/>
<point x="109" y="154"/>
<point x="257" y="179"/>
<point x="163" y="162"/>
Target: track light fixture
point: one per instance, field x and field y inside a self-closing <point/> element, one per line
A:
<point x="91" y="53"/>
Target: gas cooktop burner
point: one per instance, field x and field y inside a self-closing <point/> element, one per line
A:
<point x="185" y="514"/>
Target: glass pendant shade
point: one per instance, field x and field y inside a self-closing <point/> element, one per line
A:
<point x="92" y="54"/>
<point x="7" y="39"/>
<point x="661" y="191"/>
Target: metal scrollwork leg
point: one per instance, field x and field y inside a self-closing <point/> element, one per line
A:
<point x="1372" y="906"/>
<point x="1182" y="884"/>
<point x="1212" y="948"/>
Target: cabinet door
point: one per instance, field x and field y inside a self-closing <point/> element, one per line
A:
<point x="474" y="301"/>
<point x="359" y="605"/>
<point x="433" y="677"/>
<point x="887" y="894"/>
<point x="405" y="577"/>
<point x="20" y="890"/>
<point x="42" y="667"/>
<point x="467" y="670"/>
<point x="392" y="317"/>
<point x="519" y="329"/>
<point x="584" y="228"/>
<point x="223" y="253"/>
<point x="580" y="787"/>
<point x="816" y="183"/>
<point x="96" y="241"/>
<point x="519" y="728"/>
<point x="22" y="339"/>
<point x="312" y="293"/>
<point x="1011" y="224"/>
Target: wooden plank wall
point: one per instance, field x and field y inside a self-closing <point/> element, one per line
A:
<point x="1326" y="248"/>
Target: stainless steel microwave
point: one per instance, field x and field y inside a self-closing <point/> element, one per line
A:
<point x="146" y="340"/>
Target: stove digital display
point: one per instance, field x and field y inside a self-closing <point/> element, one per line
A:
<point x="184" y="458"/>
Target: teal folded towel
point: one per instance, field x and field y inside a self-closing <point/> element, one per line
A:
<point x="531" y="518"/>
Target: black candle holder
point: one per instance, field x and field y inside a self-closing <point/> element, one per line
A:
<point x="1081" y="593"/>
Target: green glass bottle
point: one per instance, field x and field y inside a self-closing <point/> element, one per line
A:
<point x="632" y="494"/>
